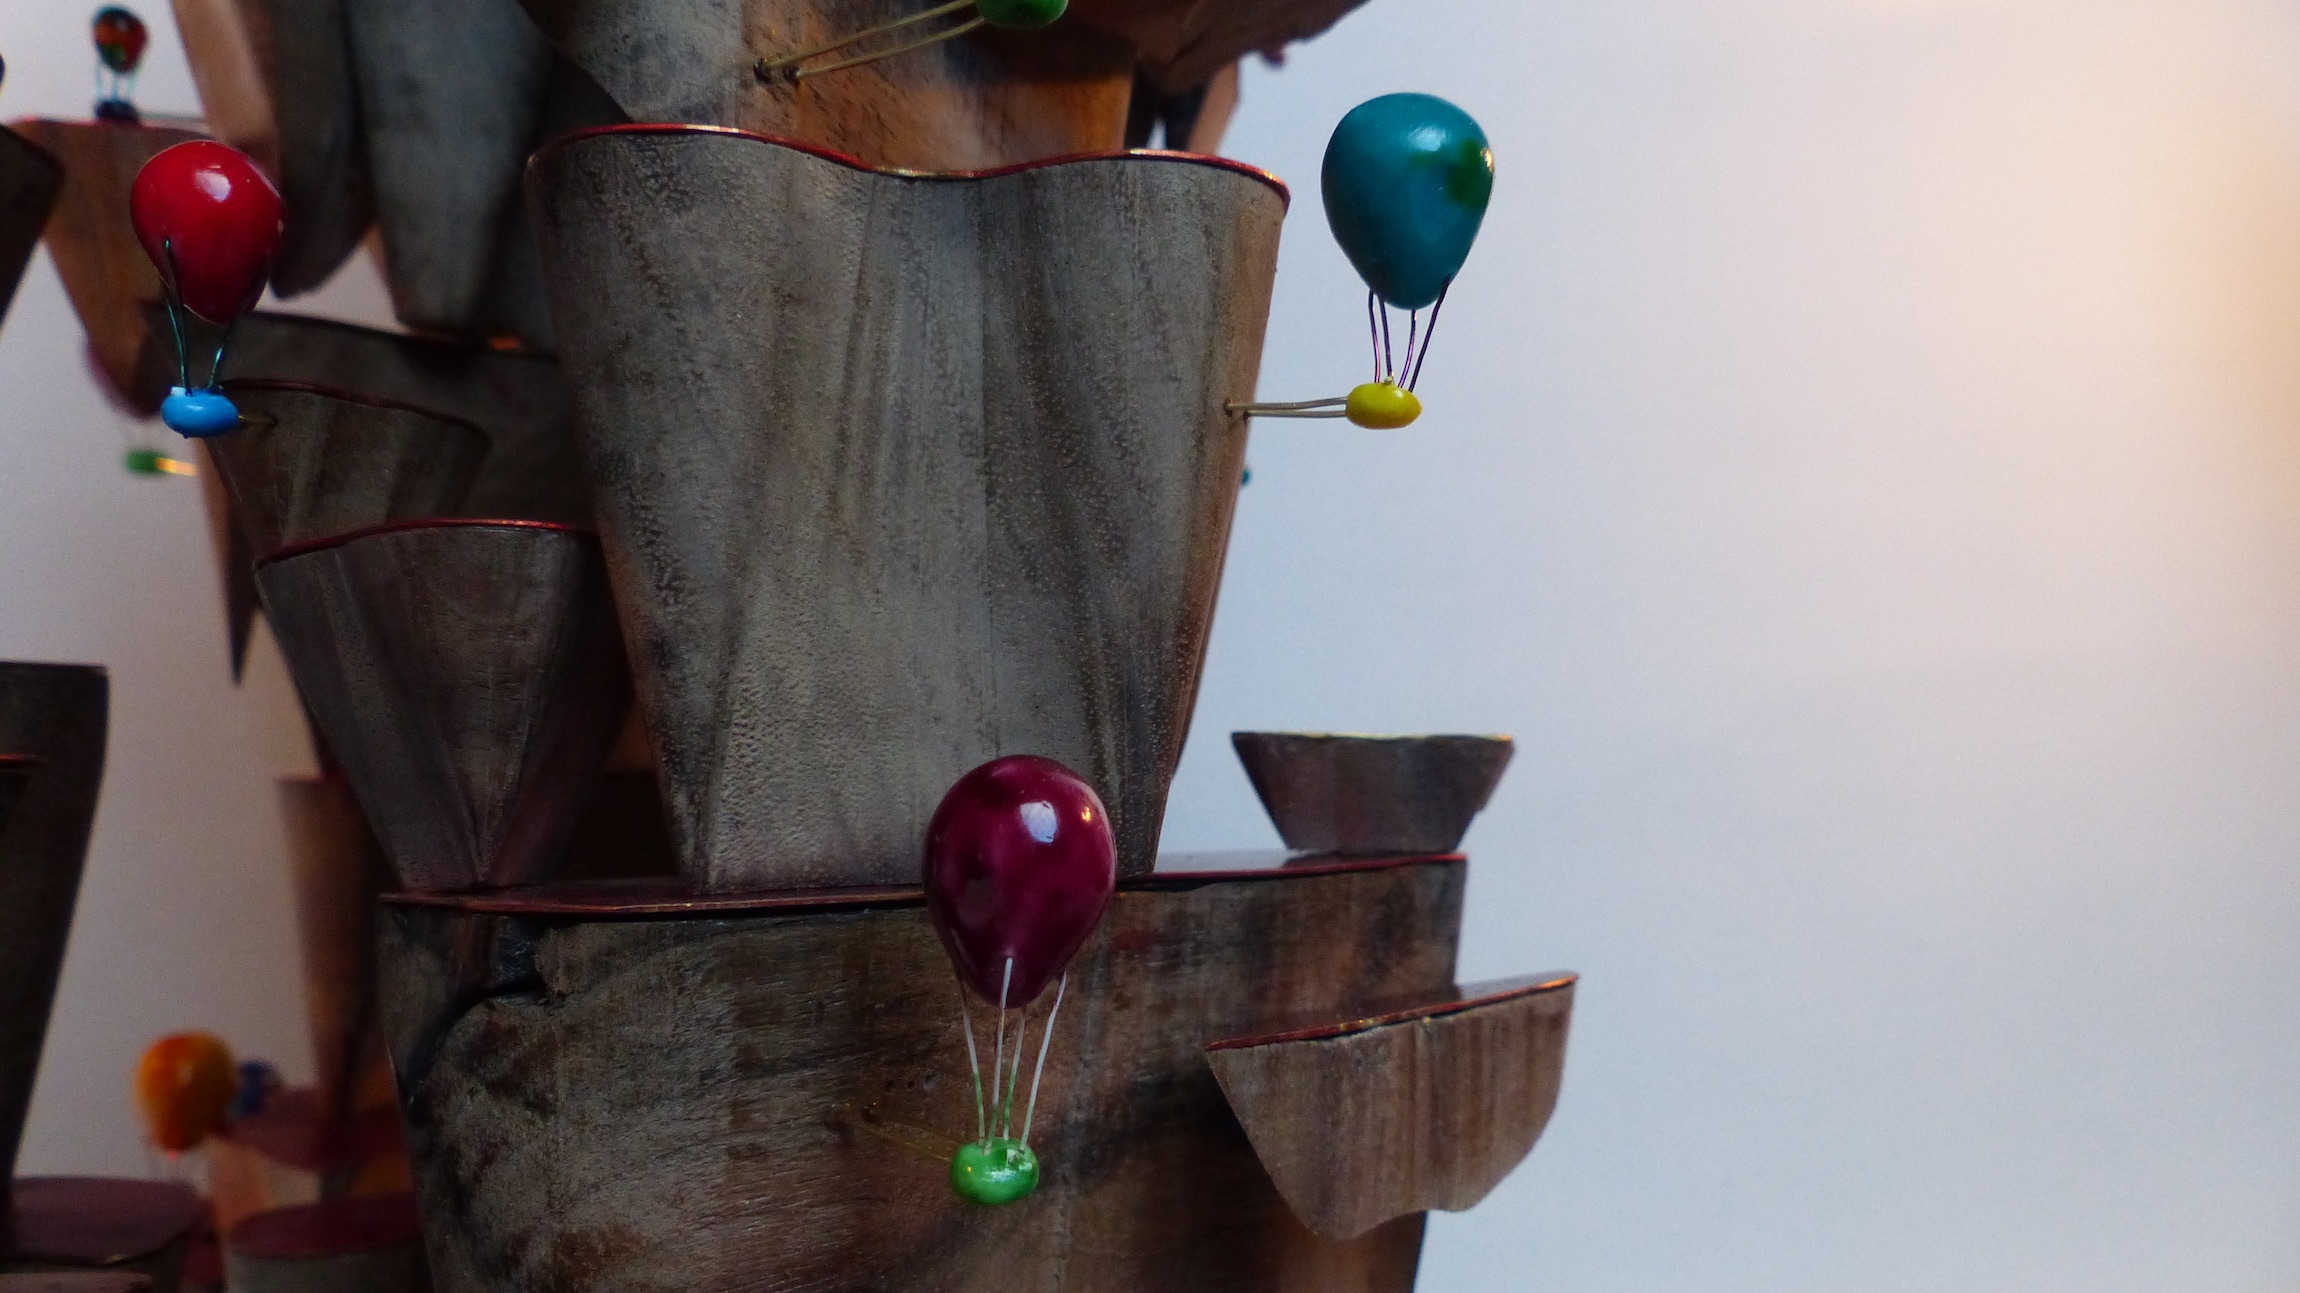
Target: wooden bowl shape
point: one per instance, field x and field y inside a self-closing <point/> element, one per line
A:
<point x="105" y="272"/>
<point x="1333" y="793"/>
<point x="899" y="473"/>
<point x="308" y="462"/>
<point x="350" y="1245"/>
<point x="30" y="181"/>
<point x="55" y="713"/>
<point x="992" y="99"/>
<point x="469" y="677"/>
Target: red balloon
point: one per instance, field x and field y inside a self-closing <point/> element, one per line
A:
<point x="208" y="210"/>
<point x="1019" y="864"/>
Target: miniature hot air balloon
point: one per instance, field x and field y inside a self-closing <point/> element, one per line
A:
<point x="184" y="1087"/>
<point x="120" y="40"/>
<point x="1020" y="864"/>
<point x="1013" y="15"/>
<point x="210" y="221"/>
<point x="1406" y="181"/>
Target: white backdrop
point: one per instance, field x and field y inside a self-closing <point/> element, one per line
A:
<point x="1863" y="470"/>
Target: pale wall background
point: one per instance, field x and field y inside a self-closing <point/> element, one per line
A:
<point x="1863" y="470"/>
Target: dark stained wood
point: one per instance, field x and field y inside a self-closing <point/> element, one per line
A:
<point x="335" y="1246"/>
<point x="321" y="145"/>
<point x="1395" y="1108"/>
<point x="227" y="44"/>
<point x="898" y="475"/>
<point x="235" y="560"/>
<point x="339" y="870"/>
<point x="1372" y="794"/>
<point x="308" y="463"/>
<point x="88" y="1222"/>
<point x="16" y="773"/>
<point x="30" y="181"/>
<point x="56" y="713"/>
<point x="1181" y="44"/>
<point x="76" y="1282"/>
<point x="470" y="678"/>
<point x="105" y="272"/>
<point x="990" y="100"/>
<point x="719" y="1103"/>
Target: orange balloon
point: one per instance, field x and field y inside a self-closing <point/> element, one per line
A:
<point x="184" y="1084"/>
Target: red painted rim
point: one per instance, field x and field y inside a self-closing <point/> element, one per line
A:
<point x="308" y="546"/>
<point x="353" y="397"/>
<point x="1285" y="194"/>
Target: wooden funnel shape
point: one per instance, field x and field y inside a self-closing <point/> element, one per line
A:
<point x="1400" y="1108"/>
<point x="1372" y="794"/>
<point x="105" y="271"/>
<point x="16" y="772"/>
<point x="469" y="676"/>
<point x="56" y="713"/>
<point x="309" y="463"/>
<point x="339" y="871"/>
<point x="898" y="474"/>
<point x="30" y="181"/>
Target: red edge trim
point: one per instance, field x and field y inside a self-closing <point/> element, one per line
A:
<point x="21" y="762"/>
<point x="1471" y="997"/>
<point x="308" y="546"/>
<point x="353" y="397"/>
<point x="1285" y="194"/>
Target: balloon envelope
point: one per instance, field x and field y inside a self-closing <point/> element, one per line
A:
<point x="184" y="1085"/>
<point x="1406" y="180"/>
<point x="1020" y="863"/>
<point x="210" y="221"/>
<point x="120" y="39"/>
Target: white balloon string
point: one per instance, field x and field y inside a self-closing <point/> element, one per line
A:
<point x="1031" y="1115"/>
<point x="998" y="1065"/>
<point x="974" y="1066"/>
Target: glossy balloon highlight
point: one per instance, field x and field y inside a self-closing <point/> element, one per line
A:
<point x="210" y="221"/>
<point x="1406" y="181"/>
<point x="1020" y="863"/>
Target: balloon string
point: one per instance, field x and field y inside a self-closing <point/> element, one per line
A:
<point x="1416" y="377"/>
<point x="1030" y="1115"/>
<point x="1375" y="329"/>
<point x="860" y="59"/>
<point x="974" y="1065"/>
<point x="998" y="1064"/>
<point x="1413" y="329"/>
<point x="1332" y="408"/>
<point x="216" y="369"/>
<point x="787" y="66"/>
<point x="1388" y="364"/>
<point x="1014" y="1080"/>
<point x="175" y="324"/>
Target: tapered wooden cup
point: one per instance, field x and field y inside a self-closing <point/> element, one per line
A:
<point x="899" y="474"/>
<point x="30" y="180"/>
<point x="16" y="772"/>
<point x="1333" y="793"/>
<point x="468" y="676"/>
<point x="56" y="713"/>
<point x="307" y="462"/>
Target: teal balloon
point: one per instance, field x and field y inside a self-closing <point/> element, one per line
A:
<point x="1406" y="181"/>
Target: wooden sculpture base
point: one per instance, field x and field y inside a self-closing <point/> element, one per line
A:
<point x="616" y="1086"/>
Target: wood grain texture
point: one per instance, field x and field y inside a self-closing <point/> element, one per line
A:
<point x="1334" y="793"/>
<point x="993" y="99"/>
<point x="30" y="182"/>
<point x="304" y="47"/>
<point x="58" y="714"/>
<point x="338" y="870"/>
<point x="1422" y="1106"/>
<point x="105" y="272"/>
<point x="453" y="95"/>
<point x="898" y="475"/>
<point x="308" y="463"/>
<point x="84" y="1223"/>
<point x="470" y="678"/>
<point x="717" y="1103"/>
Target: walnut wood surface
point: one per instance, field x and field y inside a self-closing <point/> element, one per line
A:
<point x="30" y="181"/>
<point x="339" y="870"/>
<point x="1426" y="1105"/>
<point x="309" y="464"/>
<point x="304" y="47"/>
<point x="121" y="1226"/>
<point x="470" y="678"/>
<point x="227" y="44"/>
<point x="16" y="772"/>
<point x="56" y="713"/>
<point x="718" y="1102"/>
<point x="1181" y="44"/>
<point x="898" y="475"/>
<point x="105" y="272"/>
<point x="1334" y="793"/>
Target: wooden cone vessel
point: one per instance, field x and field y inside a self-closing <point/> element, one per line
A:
<point x="1331" y="793"/>
<point x="309" y="463"/>
<point x="16" y="773"/>
<point x="56" y="713"/>
<point x="885" y="497"/>
<point x="30" y="182"/>
<point x="469" y="677"/>
<point x="105" y="271"/>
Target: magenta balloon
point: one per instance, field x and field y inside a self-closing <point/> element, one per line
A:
<point x="1019" y="864"/>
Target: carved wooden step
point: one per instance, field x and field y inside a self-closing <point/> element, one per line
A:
<point x="469" y="676"/>
<point x="1400" y="1107"/>
<point x="899" y="474"/>
<point x="736" y="1084"/>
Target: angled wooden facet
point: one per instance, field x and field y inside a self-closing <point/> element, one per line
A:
<point x="1397" y="1108"/>
<point x="227" y="43"/>
<point x="105" y="272"/>
<point x="309" y="463"/>
<point x="1181" y="44"/>
<point x="1335" y="793"/>
<point x="56" y="713"/>
<point x="30" y="182"/>
<point x="339" y="870"/>
<point x="470" y="679"/>
<point x="774" y="1083"/>
<point x="16" y="773"/>
<point x="898" y="475"/>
